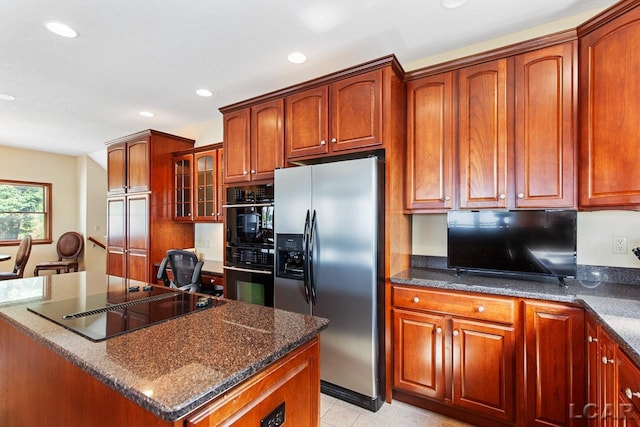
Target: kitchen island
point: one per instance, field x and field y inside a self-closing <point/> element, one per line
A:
<point x="234" y="361"/>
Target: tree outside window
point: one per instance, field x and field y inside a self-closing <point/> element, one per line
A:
<point x="25" y="208"/>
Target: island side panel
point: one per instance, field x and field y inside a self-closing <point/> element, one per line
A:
<point x="293" y="381"/>
<point x="40" y="388"/>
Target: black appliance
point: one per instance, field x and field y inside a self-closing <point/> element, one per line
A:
<point x="249" y="252"/>
<point x="122" y="310"/>
<point x="527" y="242"/>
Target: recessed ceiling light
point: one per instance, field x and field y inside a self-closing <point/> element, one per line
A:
<point x="452" y="4"/>
<point x="61" y="29"/>
<point x="296" y="58"/>
<point x="6" y="97"/>
<point x="204" y="92"/>
<point x="146" y="114"/>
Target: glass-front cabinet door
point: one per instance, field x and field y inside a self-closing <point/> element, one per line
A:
<point x="206" y="191"/>
<point x="183" y="187"/>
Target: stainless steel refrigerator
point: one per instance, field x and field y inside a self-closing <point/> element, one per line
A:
<point x="327" y="223"/>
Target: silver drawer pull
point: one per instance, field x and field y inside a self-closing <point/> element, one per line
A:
<point x="631" y="394"/>
<point x="439" y="331"/>
<point x="605" y="360"/>
<point x="481" y="309"/>
<point x="592" y="339"/>
<point x="456" y="333"/>
<point x="416" y="299"/>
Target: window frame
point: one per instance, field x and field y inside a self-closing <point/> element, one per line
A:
<point x="48" y="188"/>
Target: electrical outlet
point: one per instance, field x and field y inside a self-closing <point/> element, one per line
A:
<point x="620" y="244"/>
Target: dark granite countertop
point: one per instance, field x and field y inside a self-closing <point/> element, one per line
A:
<point x="170" y="368"/>
<point x="616" y="305"/>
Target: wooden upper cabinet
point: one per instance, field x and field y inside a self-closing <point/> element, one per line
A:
<point x="342" y="116"/>
<point x="430" y="143"/>
<point x="609" y="110"/>
<point x="267" y="139"/>
<point x="237" y="132"/>
<point x="207" y="187"/>
<point x="356" y="112"/>
<point x="307" y="127"/>
<point x="183" y="187"/>
<point x="128" y="167"/>
<point x="545" y="148"/>
<point x="254" y="142"/>
<point x="483" y="135"/>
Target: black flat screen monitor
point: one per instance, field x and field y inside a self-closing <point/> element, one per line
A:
<point x="531" y="242"/>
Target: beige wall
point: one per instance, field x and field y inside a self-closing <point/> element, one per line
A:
<point x="68" y="179"/>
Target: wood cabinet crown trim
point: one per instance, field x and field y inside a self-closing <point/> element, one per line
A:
<point x="607" y="15"/>
<point x="199" y="149"/>
<point x="385" y="61"/>
<point x="147" y="133"/>
<point x="493" y="54"/>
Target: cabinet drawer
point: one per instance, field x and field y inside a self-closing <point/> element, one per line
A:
<point x="493" y="309"/>
<point x="628" y="381"/>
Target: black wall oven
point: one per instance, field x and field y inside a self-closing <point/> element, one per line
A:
<point x="249" y="252"/>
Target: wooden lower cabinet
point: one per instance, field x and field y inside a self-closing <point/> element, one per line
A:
<point x="419" y="353"/>
<point x="484" y="368"/>
<point x="493" y="360"/>
<point x="554" y="364"/>
<point x="291" y="386"/>
<point x="456" y="362"/>
<point x="613" y="397"/>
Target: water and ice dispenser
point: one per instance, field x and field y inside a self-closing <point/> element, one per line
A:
<point x="290" y="256"/>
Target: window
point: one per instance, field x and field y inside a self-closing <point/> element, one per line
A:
<point x="25" y="208"/>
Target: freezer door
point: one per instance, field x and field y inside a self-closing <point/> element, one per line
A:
<point x="345" y="254"/>
<point x="292" y="201"/>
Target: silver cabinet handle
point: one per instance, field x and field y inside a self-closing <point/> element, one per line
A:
<point x="253" y="171"/>
<point x="520" y="196"/>
<point x="592" y="339"/>
<point x="456" y="333"/>
<point x="323" y="142"/>
<point x="244" y="172"/>
<point x="438" y="330"/>
<point x="416" y="299"/>
<point x="605" y="360"/>
<point x="631" y="394"/>
<point x="502" y="196"/>
<point x="447" y="198"/>
<point x="334" y="140"/>
<point x="481" y="309"/>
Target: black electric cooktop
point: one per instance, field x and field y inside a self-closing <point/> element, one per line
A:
<point x="126" y="309"/>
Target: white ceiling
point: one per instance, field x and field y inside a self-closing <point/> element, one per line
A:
<point x="72" y="95"/>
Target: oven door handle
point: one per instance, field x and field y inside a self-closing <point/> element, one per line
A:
<point x="247" y="270"/>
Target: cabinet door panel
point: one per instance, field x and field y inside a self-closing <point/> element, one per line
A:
<point x="544" y="147"/>
<point x="307" y="125"/>
<point x="267" y="139"/>
<point x="138" y="222"/>
<point x="183" y="187"/>
<point x="483" y="135"/>
<point x="609" y="107"/>
<point x="356" y="112"/>
<point x="237" y="146"/>
<point x="554" y="369"/>
<point x="484" y="368"/>
<point x="419" y="364"/>
<point x="206" y="188"/>
<point x="430" y="143"/>
<point x="116" y="169"/>
<point x="137" y="166"/>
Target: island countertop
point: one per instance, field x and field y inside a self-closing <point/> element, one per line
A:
<point x="616" y="305"/>
<point x="170" y="368"/>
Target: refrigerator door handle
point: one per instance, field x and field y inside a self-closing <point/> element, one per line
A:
<point x="312" y="285"/>
<point x="305" y="246"/>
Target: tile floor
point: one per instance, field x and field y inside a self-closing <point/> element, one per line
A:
<point x="336" y="413"/>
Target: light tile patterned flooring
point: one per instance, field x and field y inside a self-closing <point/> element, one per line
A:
<point x="336" y="413"/>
